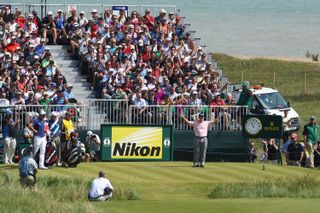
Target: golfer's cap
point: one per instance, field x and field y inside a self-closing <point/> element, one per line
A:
<point x="171" y="13"/>
<point x="194" y="92"/>
<point x="294" y="136"/>
<point x="59" y="11"/>
<point x="81" y="12"/>
<point x="163" y="11"/>
<point x="54" y="113"/>
<point x="42" y="112"/>
<point x="94" y="11"/>
<point x="49" y="13"/>
<point x="89" y="133"/>
<point x="201" y="114"/>
<point x="312" y="117"/>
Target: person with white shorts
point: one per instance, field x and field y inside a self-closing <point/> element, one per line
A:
<point x="38" y="126"/>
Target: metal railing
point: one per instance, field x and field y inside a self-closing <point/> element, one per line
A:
<point x="43" y="8"/>
<point x="100" y="111"/>
<point x="23" y="114"/>
<point x="107" y="112"/>
<point x="228" y="117"/>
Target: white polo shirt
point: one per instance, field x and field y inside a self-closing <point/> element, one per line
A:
<point x="98" y="185"/>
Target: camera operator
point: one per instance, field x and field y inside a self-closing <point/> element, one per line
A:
<point x="93" y="141"/>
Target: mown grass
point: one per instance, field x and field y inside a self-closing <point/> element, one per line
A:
<point x="289" y="79"/>
<point x="162" y="187"/>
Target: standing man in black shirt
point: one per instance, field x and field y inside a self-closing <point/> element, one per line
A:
<point x="49" y="27"/>
<point x="294" y="153"/>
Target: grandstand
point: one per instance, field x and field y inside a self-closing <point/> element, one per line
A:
<point x="131" y="65"/>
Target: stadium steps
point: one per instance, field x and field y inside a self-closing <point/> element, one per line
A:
<point x="70" y="69"/>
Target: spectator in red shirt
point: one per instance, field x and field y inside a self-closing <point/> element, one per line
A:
<point x="148" y="19"/>
<point x="13" y="45"/>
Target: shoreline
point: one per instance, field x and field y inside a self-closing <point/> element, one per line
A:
<point x="280" y="58"/>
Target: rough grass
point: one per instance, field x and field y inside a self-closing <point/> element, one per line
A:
<point x="162" y="187"/>
<point x="289" y="79"/>
<point x="290" y="187"/>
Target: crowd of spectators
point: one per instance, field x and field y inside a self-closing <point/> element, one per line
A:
<point x="29" y="74"/>
<point x="148" y="59"/>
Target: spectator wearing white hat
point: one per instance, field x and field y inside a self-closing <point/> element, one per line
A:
<point x="82" y="19"/>
<point x="9" y="136"/>
<point x="49" y="28"/>
<point x="93" y="141"/>
<point x="94" y="14"/>
<point x="54" y="127"/>
<point x="60" y="21"/>
<point x="38" y="126"/>
<point x="194" y="100"/>
<point x="162" y="15"/>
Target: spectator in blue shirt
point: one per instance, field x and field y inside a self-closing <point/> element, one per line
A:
<point x="28" y="169"/>
<point x="9" y="134"/>
<point x="39" y="127"/>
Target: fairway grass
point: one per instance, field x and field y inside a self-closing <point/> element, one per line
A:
<point x="154" y="187"/>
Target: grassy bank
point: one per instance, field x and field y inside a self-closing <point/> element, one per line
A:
<point x="163" y="187"/>
<point x="297" y="81"/>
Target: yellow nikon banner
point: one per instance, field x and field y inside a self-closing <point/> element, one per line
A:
<point x="136" y="142"/>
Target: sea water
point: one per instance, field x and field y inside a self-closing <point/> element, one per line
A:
<point x="245" y="27"/>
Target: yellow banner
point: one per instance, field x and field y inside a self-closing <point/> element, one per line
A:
<point x="136" y="142"/>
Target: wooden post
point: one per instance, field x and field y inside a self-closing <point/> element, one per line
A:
<point x="241" y="76"/>
<point x="305" y="83"/>
<point x="274" y="79"/>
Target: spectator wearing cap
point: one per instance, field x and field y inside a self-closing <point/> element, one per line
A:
<point x="194" y="100"/>
<point x="28" y="169"/>
<point x="148" y="20"/>
<point x="60" y="21"/>
<point x="18" y="99"/>
<point x="94" y="14"/>
<point x="83" y="21"/>
<point x="40" y="48"/>
<point x="55" y="130"/>
<point x="286" y="120"/>
<point x="45" y="100"/>
<point x="29" y="25"/>
<point x="311" y="138"/>
<point x="158" y="19"/>
<point x="295" y="152"/>
<point x="31" y="100"/>
<point x="38" y="126"/>
<point x="172" y="19"/>
<point x="67" y="128"/>
<point x="9" y="136"/>
<point x="271" y="149"/>
<point x="49" y="28"/>
<point x="93" y="141"/>
<point x="68" y="94"/>
<point x="13" y="45"/>
<point x="101" y="188"/>
<point x="200" y="143"/>
<point x="59" y="99"/>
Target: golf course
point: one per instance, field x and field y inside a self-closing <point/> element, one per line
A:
<point x="166" y="187"/>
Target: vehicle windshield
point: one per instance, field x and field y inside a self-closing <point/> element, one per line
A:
<point x="272" y="101"/>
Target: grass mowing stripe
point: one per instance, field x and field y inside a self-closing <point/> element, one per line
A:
<point x="235" y="176"/>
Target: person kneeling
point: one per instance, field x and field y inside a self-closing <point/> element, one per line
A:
<point x="101" y="188"/>
<point x="28" y="169"/>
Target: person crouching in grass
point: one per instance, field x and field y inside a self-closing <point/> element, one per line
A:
<point x="28" y="169"/>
